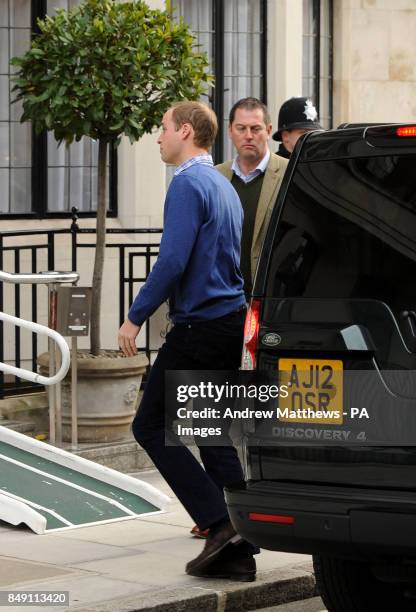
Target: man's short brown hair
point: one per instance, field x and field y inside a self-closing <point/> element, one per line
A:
<point x="201" y="117"/>
<point x="250" y="104"/>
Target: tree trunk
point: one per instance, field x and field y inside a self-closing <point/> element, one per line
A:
<point x="97" y="279"/>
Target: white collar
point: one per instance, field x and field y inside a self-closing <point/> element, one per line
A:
<point x="260" y="168"/>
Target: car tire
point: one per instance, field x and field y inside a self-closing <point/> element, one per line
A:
<point x="350" y="586"/>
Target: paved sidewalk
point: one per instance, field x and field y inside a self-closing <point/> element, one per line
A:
<point x="139" y="565"/>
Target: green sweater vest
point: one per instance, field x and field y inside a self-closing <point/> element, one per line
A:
<point x="249" y="194"/>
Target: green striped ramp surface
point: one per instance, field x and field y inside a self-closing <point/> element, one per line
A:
<point x="66" y="497"/>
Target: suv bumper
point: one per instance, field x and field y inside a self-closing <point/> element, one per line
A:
<point x="326" y="520"/>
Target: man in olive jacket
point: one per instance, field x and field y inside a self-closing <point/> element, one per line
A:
<point x="256" y="174"/>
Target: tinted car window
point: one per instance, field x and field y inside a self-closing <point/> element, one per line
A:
<point x="348" y="230"/>
<point x="347" y="234"/>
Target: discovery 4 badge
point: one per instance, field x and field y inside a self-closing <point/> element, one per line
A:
<point x="271" y="339"/>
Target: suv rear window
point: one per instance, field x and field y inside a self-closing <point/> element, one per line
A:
<point x="348" y="230"/>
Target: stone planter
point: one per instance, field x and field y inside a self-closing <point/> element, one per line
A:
<point x="108" y="391"/>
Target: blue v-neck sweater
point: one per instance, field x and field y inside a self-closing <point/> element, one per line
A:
<point x="199" y="257"/>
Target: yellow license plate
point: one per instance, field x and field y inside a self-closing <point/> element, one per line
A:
<point x="315" y="391"/>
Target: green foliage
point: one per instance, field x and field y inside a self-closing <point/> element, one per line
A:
<point x="105" y="69"/>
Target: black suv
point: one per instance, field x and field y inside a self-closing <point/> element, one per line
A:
<point x="333" y="312"/>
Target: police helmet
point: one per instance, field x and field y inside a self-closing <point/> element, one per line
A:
<point x="297" y="113"/>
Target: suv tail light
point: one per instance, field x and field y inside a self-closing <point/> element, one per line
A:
<point x="283" y="519"/>
<point x="251" y="332"/>
<point x="408" y="130"/>
<point x="389" y="135"/>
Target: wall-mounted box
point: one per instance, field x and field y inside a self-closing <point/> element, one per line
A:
<point x="73" y="311"/>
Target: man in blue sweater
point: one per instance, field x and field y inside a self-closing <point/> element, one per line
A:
<point x="198" y="272"/>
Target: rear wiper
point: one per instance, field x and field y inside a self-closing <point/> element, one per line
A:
<point x="356" y="338"/>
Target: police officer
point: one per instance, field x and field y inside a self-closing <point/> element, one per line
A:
<point x="296" y="116"/>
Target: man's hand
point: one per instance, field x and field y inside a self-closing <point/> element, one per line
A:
<point x="126" y="338"/>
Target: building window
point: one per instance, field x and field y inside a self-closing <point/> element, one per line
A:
<point x="317" y="56"/>
<point x="15" y="138"/>
<point x="38" y="178"/>
<point x="232" y="32"/>
<point x="72" y="175"/>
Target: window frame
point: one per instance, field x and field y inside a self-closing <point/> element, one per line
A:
<point x="39" y="161"/>
<point x="216" y="94"/>
<point x="316" y="76"/>
<point x="218" y="59"/>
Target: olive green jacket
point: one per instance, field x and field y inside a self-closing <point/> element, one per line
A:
<point x="271" y="185"/>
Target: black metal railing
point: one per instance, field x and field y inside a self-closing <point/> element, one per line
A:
<point x="39" y="247"/>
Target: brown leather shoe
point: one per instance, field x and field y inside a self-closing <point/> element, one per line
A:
<point x="199" y="533"/>
<point x="241" y="569"/>
<point x="215" y="543"/>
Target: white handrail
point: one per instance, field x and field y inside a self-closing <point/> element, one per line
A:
<point x="37" y="278"/>
<point x="38" y="329"/>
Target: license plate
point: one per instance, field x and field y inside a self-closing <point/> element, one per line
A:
<point x="315" y="391"/>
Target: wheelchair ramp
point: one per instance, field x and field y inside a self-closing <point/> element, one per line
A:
<point x="48" y="488"/>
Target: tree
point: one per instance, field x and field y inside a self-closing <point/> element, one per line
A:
<point x="107" y="69"/>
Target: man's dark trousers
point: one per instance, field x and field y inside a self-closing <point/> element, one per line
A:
<point x="207" y="345"/>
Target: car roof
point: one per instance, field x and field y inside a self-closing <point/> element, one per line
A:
<point x="359" y="140"/>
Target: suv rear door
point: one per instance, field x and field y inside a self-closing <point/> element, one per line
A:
<point x="336" y="283"/>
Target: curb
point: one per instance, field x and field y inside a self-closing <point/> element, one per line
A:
<point x="271" y="588"/>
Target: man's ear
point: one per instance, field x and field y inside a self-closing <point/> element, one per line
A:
<point x="285" y="137"/>
<point x="269" y="129"/>
<point x="187" y="130"/>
